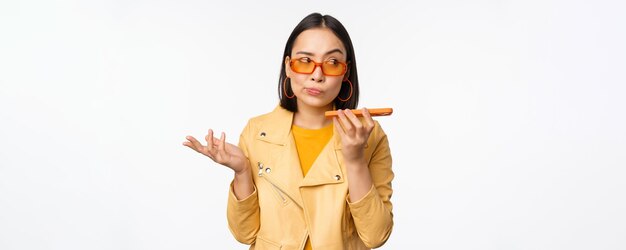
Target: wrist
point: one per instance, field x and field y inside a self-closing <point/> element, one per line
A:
<point x="356" y="158"/>
<point x="353" y="162"/>
<point x="244" y="171"/>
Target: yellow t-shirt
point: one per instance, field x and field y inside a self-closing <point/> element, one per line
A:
<point x="310" y="143"/>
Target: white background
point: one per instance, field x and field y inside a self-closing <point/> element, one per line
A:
<point x="508" y="130"/>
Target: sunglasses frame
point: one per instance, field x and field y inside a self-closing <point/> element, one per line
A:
<point x="345" y="69"/>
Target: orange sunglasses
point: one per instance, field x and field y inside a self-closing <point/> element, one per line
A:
<point x="307" y="66"/>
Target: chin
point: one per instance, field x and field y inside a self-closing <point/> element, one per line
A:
<point x="315" y="102"/>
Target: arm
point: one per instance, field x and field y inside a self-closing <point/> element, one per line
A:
<point x="243" y="204"/>
<point x="369" y="180"/>
<point x="372" y="212"/>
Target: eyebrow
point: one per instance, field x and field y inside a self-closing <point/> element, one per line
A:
<point x="327" y="53"/>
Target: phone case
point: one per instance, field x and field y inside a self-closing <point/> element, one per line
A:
<point x="359" y="112"/>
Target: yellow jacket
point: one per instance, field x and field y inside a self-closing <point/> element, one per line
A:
<point x="286" y="207"/>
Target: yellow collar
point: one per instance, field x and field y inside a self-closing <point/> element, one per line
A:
<point x="278" y="127"/>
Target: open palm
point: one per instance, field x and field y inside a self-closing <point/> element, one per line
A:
<point x="220" y="151"/>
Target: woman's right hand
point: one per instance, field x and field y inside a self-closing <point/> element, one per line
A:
<point x="220" y="151"/>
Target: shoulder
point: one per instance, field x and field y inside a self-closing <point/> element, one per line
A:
<point x="260" y="119"/>
<point x="278" y="114"/>
<point x="273" y="126"/>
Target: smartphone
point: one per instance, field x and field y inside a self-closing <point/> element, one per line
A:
<point x="359" y="112"/>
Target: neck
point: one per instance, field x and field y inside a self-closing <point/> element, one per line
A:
<point x="312" y="117"/>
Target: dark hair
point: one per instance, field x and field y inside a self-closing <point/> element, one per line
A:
<point x="316" y="20"/>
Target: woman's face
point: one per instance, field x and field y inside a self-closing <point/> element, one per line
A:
<point x="316" y="89"/>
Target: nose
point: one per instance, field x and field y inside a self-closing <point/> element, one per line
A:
<point x="317" y="75"/>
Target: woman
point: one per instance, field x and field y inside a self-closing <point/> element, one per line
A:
<point x="303" y="181"/>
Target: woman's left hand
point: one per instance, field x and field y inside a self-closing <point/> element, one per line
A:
<point x="354" y="133"/>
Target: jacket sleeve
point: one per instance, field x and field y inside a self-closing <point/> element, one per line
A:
<point x="372" y="214"/>
<point x="243" y="215"/>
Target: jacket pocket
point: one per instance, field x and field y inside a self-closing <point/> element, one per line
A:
<point x="263" y="244"/>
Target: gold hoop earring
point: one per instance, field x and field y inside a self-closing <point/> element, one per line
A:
<point x="351" y="89"/>
<point x="285" y="88"/>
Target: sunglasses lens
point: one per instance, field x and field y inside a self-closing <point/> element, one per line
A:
<point x="333" y="68"/>
<point x="302" y="66"/>
<point x="329" y="68"/>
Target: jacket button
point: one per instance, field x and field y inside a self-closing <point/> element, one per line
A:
<point x="260" y="165"/>
<point x="262" y="134"/>
<point x="337" y="177"/>
<point x="268" y="170"/>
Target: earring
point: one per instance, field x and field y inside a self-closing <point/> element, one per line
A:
<point x="345" y="100"/>
<point x="285" y="88"/>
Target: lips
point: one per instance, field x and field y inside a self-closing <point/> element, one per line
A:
<point x="313" y="91"/>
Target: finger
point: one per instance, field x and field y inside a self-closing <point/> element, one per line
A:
<point x="209" y="140"/>
<point x="222" y="144"/>
<point x="197" y="146"/>
<point x="369" y="122"/>
<point x="354" y="120"/>
<point x="343" y="120"/>
<point x="338" y="127"/>
<point x="216" y="142"/>
<point x="188" y="142"/>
